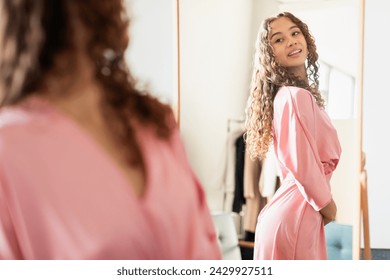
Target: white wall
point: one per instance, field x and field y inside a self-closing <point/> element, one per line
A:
<point x="336" y="40"/>
<point x="215" y="64"/>
<point x="376" y="100"/>
<point x="150" y="54"/>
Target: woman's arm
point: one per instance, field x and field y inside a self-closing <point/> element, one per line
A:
<point x="295" y="112"/>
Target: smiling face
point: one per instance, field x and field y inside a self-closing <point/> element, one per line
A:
<point x="289" y="45"/>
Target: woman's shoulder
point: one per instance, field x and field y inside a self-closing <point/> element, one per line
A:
<point x="13" y="126"/>
<point x="22" y="118"/>
<point x="12" y="118"/>
<point x="292" y="94"/>
<point x="294" y="99"/>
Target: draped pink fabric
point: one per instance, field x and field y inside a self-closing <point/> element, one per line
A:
<point x="61" y="196"/>
<point x="307" y="147"/>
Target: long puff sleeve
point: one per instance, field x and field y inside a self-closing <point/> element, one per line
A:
<point x="295" y="112"/>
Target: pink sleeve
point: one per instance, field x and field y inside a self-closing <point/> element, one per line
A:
<point x="9" y="249"/>
<point x="294" y="127"/>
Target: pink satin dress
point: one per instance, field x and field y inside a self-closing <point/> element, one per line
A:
<point x="62" y="197"/>
<point x="306" y="145"/>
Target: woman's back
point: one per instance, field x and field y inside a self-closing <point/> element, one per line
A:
<point x="61" y="196"/>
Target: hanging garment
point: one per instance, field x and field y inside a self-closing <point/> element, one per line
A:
<point x="239" y="199"/>
<point x="229" y="166"/>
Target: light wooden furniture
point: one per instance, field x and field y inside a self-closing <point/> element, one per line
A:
<point x="364" y="210"/>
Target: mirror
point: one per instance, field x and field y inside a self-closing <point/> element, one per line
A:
<point x="215" y="42"/>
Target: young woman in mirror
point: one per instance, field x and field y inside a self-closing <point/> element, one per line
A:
<point x="286" y="113"/>
<point x="90" y="166"/>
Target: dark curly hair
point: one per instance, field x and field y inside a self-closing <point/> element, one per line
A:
<point x="268" y="77"/>
<point x="34" y="32"/>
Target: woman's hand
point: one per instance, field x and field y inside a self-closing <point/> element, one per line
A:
<point x="326" y="221"/>
<point x="329" y="212"/>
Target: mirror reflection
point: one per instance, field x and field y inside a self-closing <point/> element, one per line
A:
<point x="216" y="63"/>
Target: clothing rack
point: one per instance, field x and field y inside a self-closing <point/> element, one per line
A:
<point x="230" y="121"/>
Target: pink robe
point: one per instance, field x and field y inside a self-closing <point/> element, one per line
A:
<point x="307" y="148"/>
<point x="62" y="197"/>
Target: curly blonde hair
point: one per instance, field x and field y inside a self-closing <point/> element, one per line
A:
<point x="268" y="77"/>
